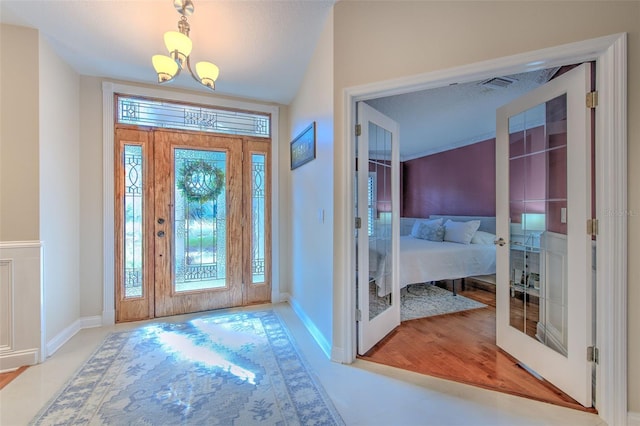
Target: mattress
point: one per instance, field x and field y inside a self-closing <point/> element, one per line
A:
<point x="425" y="261"/>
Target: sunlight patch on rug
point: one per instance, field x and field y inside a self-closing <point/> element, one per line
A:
<point x="424" y="300"/>
<point x="237" y="369"/>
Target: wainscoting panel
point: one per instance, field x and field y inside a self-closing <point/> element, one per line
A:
<point x="6" y="305"/>
<point x="21" y="330"/>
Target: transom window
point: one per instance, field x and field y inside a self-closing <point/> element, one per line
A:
<point x="155" y="113"/>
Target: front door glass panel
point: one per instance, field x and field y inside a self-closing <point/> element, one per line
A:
<point x="133" y="221"/>
<point x="258" y="215"/>
<point x="200" y="260"/>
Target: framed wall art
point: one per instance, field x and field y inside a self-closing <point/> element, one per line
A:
<point x="303" y="147"/>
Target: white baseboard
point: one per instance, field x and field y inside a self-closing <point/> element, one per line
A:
<point x="91" y="322"/>
<point x="633" y="419"/>
<point x="284" y="297"/>
<point x="63" y="337"/>
<point x="337" y="355"/>
<point x="109" y="317"/>
<point x="12" y="360"/>
<point x="311" y="327"/>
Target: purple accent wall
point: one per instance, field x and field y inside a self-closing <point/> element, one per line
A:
<point x="461" y="181"/>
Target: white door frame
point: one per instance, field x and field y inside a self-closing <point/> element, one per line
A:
<point x="610" y="54"/>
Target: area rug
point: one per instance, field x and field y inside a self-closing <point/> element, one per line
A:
<point x="424" y="300"/>
<point x="236" y="369"/>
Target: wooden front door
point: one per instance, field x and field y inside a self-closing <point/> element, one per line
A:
<point x="193" y="223"/>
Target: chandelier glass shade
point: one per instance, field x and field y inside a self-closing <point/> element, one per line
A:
<point x="179" y="46"/>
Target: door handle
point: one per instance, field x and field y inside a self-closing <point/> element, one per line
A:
<point x="160" y="234"/>
<point x="500" y="242"/>
<point x="160" y="220"/>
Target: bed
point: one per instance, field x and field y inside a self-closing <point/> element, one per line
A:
<point x="422" y="260"/>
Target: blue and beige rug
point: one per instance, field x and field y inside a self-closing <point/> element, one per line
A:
<point x="423" y="300"/>
<point x="236" y="369"/>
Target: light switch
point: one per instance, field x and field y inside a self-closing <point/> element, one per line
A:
<point x="563" y="215"/>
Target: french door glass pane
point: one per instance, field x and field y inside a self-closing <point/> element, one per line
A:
<point x="258" y="216"/>
<point x="133" y="214"/>
<point x="380" y="239"/>
<point x="200" y="237"/>
<point x="538" y="206"/>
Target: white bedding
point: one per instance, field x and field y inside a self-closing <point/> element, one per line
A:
<point x="424" y="261"/>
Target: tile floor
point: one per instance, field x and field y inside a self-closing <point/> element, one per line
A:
<point x="364" y="393"/>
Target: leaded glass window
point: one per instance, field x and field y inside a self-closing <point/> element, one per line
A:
<point x="258" y="214"/>
<point x="200" y="219"/>
<point x="173" y="115"/>
<point x="133" y="224"/>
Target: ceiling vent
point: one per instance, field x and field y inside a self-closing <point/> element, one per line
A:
<point x="498" y="82"/>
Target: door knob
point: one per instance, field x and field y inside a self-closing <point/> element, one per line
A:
<point x="500" y="242"/>
<point x="160" y="220"/>
<point x="160" y="234"/>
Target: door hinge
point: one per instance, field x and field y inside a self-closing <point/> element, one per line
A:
<point x="358" y="223"/>
<point x="593" y="354"/>
<point x="592" y="99"/>
<point x="358" y="130"/>
<point x="358" y="315"/>
<point x="592" y="227"/>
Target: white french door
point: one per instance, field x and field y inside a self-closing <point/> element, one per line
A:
<point x="544" y="276"/>
<point x="377" y="207"/>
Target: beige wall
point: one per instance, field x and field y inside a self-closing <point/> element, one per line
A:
<point x="311" y="191"/>
<point x="91" y="196"/>
<point x="382" y="40"/>
<point x="59" y="144"/>
<point x="19" y="122"/>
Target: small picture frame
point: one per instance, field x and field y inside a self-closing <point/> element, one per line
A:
<point x="303" y="147"/>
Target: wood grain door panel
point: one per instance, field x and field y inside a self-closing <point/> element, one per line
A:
<point x="170" y="301"/>
<point x="134" y="278"/>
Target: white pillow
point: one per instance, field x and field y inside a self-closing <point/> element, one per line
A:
<point x="415" y="231"/>
<point x="460" y="232"/>
<point x="481" y="237"/>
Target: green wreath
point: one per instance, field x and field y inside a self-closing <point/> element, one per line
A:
<point x="200" y="181"/>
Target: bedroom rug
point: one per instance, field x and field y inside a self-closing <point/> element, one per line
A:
<point x="425" y="300"/>
<point x="236" y="369"/>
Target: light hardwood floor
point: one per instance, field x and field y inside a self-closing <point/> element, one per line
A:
<point x="462" y="347"/>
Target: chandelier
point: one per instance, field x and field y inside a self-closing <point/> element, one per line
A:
<point x="179" y="46"/>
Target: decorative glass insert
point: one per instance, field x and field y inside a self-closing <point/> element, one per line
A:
<point x="146" y="112"/>
<point x="200" y="219"/>
<point x="258" y="182"/>
<point x="133" y="226"/>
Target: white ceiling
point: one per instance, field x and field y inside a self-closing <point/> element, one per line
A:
<point x="262" y="47"/>
<point x="439" y="119"/>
